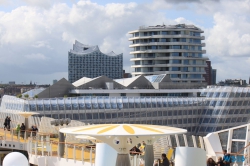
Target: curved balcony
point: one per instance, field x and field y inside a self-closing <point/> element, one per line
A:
<point x="167" y="50"/>
<point x="160" y="29"/>
<point x="169" y="58"/>
<point x="150" y="72"/>
<point x="167" y="36"/>
<point x="166" y="43"/>
<point x="168" y="65"/>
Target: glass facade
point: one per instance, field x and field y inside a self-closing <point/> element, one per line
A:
<point x="86" y="61"/>
<point x="219" y="108"/>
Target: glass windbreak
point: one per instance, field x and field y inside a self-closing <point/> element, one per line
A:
<point x="94" y="103"/>
<point x="223" y="139"/>
<point x="240" y="133"/>
<point x="181" y="140"/>
<point x="237" y="146"/>
<point x="185" y="102"/>
<point x="198" y="143"/>
<point x="173" y="141"/>
<point x="100" y="101"/>
<point x="190" y="141"/>
<point x="180" y="102"/>
<point x="53" y="104"/>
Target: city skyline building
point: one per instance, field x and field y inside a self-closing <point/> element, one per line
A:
<point x="208" y="75"/>
<point x="214" y="75"/>
<point x="174" y="49"/>
<point x="89" y="61"/>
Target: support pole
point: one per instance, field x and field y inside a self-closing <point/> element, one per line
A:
<point x="123" y="160"/>
<point x="149" y="155"/>
<point x="61" y="144"/>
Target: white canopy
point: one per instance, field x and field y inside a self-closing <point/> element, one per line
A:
<point x="123" y="130"/>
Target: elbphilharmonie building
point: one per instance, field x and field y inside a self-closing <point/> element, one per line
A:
<point x="89" y="61"/>
<point x="213" y="109"/>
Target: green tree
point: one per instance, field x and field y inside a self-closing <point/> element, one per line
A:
<point x="36" y="96"/>
<point x="20" y="96"/>
<point x="65" y="96"/>
<point x="26" y="96"/>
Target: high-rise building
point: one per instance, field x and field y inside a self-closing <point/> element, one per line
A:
<point x="89" y="61"/>
<point x="208" y="74"/>
<point x="174" y="49"/>
<point x="54" y="81"/>
<point x="214" y="72"/>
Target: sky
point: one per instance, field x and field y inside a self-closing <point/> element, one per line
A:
<point x="36" y="35"/>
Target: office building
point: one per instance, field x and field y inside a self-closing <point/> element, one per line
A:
<point x="54" y="81"/>
<point x="208" y="74"/>
<point x="175" y="50"/>
<point x="126" y="75"/>
<point x="233" y="82"/>
<point x="89" y="61"/>
<point x="12" y="82"/>
<point x="214" y="73"/>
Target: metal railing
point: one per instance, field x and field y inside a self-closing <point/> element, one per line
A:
<point x="42" y="144"/>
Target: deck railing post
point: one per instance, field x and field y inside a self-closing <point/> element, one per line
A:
<point x="12" y="133"/>
<point x="18" y="136"/>
<point x="91" y="156"/>
<point x="58" y="155"/>
<point x="42" y="148"/>
<point x="66" y="151"/>
<point x="31" y="145"/>
<point x="74" y="153"/>
<point x="82" y="154"/>
<point x="36" y="148"/>
<point x="25" y="136"/>
<point x="50" y="149"/>
<point x="5" y="135"/>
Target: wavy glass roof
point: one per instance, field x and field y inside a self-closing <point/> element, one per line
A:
<point x="79" y="48"/>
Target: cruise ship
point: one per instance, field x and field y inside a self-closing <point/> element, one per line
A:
<point x="205" y="119"/>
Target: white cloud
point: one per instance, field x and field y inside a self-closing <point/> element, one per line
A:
<point x="36" y="57"/>
<point x="39" y="3"/>
<point x="228" y="40"/>
<point x="40" y="44"/>
<point x="28" y="30"/>
<point x="39" y="35"/>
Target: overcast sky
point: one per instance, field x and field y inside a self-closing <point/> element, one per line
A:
<point x="36" y="35"/>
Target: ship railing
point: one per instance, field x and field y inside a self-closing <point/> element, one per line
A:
<point x="46" y="144"/>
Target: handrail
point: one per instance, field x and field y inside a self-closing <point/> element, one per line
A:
<point x="51" y="141"/>
<point x="230" y="153"/>
<point x="243" y="148"/>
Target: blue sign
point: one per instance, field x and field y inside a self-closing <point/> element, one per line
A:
<point x="234" y="158"/>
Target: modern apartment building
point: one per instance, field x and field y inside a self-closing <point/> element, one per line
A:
<point x="169" y="49"/>
<point x="89" y="61"/>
